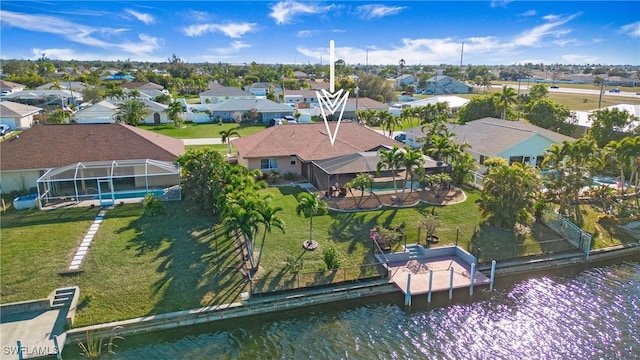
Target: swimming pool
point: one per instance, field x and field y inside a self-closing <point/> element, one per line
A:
<point x="129" y="194"/>
<point x="388" y="185"/>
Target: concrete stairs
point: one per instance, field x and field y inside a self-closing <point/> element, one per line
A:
<point x="414" y="251"/>
<point x="62" y="297"/>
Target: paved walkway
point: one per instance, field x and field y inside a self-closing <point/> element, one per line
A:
<point x="84" y="246"/>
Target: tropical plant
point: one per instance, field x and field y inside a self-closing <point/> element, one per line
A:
<point x="58" y="117"/>
<point x="331" y="259"/>
<point x="153" y="206"/>
<point x="509" y="193"/>
<point x="132" y="112"/>
<point x="430" y="224"/>
<point x="267" y="216"/>
<point x="362" y="182"/>
<point x="389" y="122"/>
<point x="309" y="205"/>
<point x="391" y="159"/>
<point x="174" y="113"/>
<point x="413" y="163"/>
<point x="92" y="346"/>
<point x="506" y="98"/>
<point x="225" y="137"/>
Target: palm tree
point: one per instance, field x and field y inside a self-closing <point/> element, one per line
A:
<point x="241" y="219"/>
<point x="226" y="135"/>
<point x="132" y="112"/>
<point x="310" y="204"/>
<point x="174" y="113"/>
<point x="361" y="182"/>
<point x="134" y="93"/>
<point x="389" y="122"/>
<point x="506" y="98"/>
<point x="267" y="216"/>
<point x="627" y="153"/>
<point x="58" y="117"/>
<point x="413" y="162"/>
<point x="391" y="159"/>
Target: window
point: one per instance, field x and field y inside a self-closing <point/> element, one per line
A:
<point x="268" y="164"/>
<point x="482" y="159"/>
<point x="293" y="159"/>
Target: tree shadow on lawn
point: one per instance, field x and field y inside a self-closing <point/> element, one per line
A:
<point x="200" y="265"/>
<point x="33" y="217"/>
<point x="281" y="280"/>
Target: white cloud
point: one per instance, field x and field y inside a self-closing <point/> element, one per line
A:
<point x="528" y="13"/>
<point x="145" y="18"/>
<point x="536" y="35"/>
<point x="284" y="11"/>
<point x="580" y="59"/>
<point x="374" y="11"/>
<point x="69" y="54"/>
<point x="500" y="3"/>
<point x="232" y="30"/>
<point x="306" y="33"/>
<point x="233" y="48"/>
<point x="100" y="37"/>
<point x="632" y="30"/>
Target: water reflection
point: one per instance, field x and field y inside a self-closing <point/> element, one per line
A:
<point x="594" y="313"/>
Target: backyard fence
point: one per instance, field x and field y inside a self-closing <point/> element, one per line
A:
<point x="570" y="231"/>
<point x="520" y="250"/>
<point x="289" y="281"/>
<point x="477" y="180"/>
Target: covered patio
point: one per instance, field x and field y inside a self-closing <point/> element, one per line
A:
<point x="105" y="182"/>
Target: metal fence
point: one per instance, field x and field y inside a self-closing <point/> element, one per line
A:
<point x="570" y="231"/>
<point x="515" y="251"/>
<point x="289" y="281"/>
<point x="477" y="180"/>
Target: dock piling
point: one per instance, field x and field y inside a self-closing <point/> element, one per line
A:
<point x="20" y="356"/>
<point x="451" y="283"/>
<point x="493" y="274"/>
<point x="56" y="345"/>
<point x="473" y="278"/>
<point x="430" y="283"/>
<point x="407" y="296"/>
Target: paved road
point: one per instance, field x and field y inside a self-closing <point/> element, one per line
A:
<point x="563" y="89"/>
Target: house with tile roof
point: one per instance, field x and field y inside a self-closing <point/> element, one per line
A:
<point x="16" y="115"/>
<point x="224" y="111"/>
<point x="443" y="84"/>
<point x="141" y="85"/>
<point x="292" y="148"/>
<point x="514" y="141"/>
<point x="584" y="120"/>
<point x="29" y="155"/>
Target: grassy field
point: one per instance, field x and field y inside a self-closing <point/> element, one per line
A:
<point x="221" y="148"/>
<point x="196" y="131"/>
<point x="139" y="265"/>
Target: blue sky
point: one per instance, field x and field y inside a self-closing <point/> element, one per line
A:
<point x="373" y="32"/>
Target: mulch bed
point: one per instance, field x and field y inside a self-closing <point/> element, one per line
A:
<point x="376" y="200"/>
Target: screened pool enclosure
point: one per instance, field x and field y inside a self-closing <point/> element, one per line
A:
<point x="107" y="182"/>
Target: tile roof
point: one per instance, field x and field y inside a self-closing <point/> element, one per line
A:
<point x="362" y="162"/>
<point x="225" y="91"/>
<point x="4" y="84"/>
<point x="10" y="109"/>
<point x="141" y="85"/>
<point x="310" y="141"/>
<point x="49" y="146"/>
<point x="262" y="105"/>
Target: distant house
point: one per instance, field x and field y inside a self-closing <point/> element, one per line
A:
<point x="443" y="84"/>
<point x="157" y="112"/>
<point x="293" y="147"/>
<point x="584" y="122"/>
<point x="514" y="141"/>
<point x="300" y="75"/>
<point x="140" y="85"/>
<point x="261" y="89"/>
<point x="223" y="93"/>
<point x="8" y="87"/>
<point x="76" y="86"/>
<point x="403" y="80"/>
<point x="224" y="111"/>
<point x="44" y="98"/>
<point x="454" y="103"/>
<point x="16" y="115"/>
<point x="42" y="147"/>
<point x="103" y="112"/>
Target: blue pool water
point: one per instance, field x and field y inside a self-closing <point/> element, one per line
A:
<point x="129" y="194"/>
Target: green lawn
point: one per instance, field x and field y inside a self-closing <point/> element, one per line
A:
<point x="196" y="131"/>
<point x="221" y="148"/>
<point x="139" y="265"/>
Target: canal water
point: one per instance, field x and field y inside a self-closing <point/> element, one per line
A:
<point x="587" y="313"/>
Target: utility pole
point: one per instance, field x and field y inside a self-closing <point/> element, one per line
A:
<point x="601" y="92"/>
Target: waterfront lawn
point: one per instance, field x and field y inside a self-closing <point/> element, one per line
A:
<point x="197" y="131"/>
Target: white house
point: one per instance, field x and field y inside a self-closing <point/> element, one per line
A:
<point x="103" y="112"/>
<point x="584" y="122"/>
<point x="223" y="93"/>
<point x="514" y="141"/>
<point x="8" y="87"/>
<point x="16" y="115"/>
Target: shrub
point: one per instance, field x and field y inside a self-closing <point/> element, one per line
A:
<point x="331" y="258"/>
<point x="293" y="266"/>
<point x="152" y="205"/>
<point x="290" y="176"/>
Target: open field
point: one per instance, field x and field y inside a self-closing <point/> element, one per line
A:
<point x="139" y="265"/>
